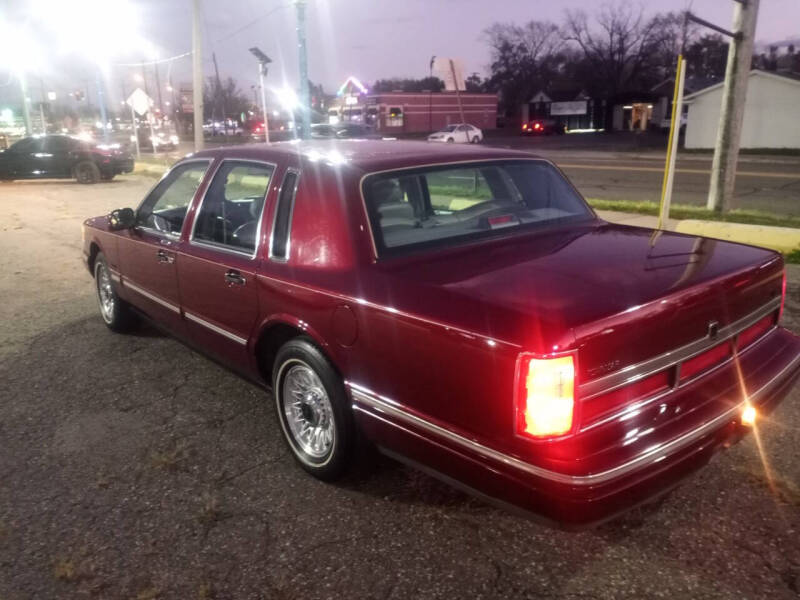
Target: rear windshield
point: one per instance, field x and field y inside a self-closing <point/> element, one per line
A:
<point x="447" y="205"/>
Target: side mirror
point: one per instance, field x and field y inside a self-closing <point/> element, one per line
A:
<point x="122" y="218"/>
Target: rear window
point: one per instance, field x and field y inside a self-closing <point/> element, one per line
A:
<point x="448" y="205"/>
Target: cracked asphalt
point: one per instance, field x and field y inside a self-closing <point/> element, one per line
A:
<point x="133" y="467"/>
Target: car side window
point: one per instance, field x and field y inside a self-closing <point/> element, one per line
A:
<point x="231" y="209"/>
<point x="58" y="145"/>
<point x="165" y="208"/>
<point x="279" y="244"/>
<point x="26" y="146"/>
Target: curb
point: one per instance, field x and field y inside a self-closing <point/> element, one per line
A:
<point x="781" y="239"/>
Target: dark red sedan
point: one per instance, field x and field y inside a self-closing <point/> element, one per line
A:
<point x="461" y="307"/>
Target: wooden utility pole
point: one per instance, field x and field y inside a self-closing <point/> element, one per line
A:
<point x="737" y="72"/>
<point x="458" y="95"/>
<point x="197" y="76"/>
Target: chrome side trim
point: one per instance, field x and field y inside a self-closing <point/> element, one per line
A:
<point x="652" y="455"/>
<point x="153" y="297"/>
<point x="115" y="277"/>
<point x="637" y="406"/>
<point x="632" y="373"/>
<point x="215" y="329"/>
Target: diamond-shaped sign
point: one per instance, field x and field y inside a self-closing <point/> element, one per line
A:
<point x="139" y="101"/>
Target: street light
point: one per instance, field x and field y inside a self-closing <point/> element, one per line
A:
<point x="263" y="61"/>
<point x="83" y="27"/>
<point x="20" y="54"/>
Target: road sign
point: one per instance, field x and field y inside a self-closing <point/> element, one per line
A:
<point x="139" y="101"/>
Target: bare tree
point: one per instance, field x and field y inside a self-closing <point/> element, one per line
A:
<point x="621" y="47"/>
<point x="525" y="59"/>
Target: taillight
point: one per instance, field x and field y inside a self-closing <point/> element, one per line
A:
<point x="783" y="295"/>
<point x="524" y="126"/>
<point x="545" y="395"/>
<point x="537" y="125"/>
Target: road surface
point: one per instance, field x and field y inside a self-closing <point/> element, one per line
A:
<point x="133" y="467"/>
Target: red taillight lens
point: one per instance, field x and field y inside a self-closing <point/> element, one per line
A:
<point x="537" y="126"/>
<point x="545" y="400"/>
<point x="783" y="295"/>
<point x="524" y="126"/>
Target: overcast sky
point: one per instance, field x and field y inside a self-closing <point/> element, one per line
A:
<point x="370" y="39"/>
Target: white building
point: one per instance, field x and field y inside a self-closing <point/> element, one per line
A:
<point x="771" y="113"/>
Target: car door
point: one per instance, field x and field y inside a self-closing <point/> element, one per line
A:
<point x="25" y="159"/>
<point x="148" y="251"/>
<point x="59" y="151"/>
<point x="217" y="268"/>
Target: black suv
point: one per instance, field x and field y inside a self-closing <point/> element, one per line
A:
<point x="63" y="156"/>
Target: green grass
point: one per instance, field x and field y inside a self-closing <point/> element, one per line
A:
<point x="793" y="257"/>
<point x="685" y="211"/>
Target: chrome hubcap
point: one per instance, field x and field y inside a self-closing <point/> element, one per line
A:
<point x="308" y="411"/>
<point x="105" y="293"/>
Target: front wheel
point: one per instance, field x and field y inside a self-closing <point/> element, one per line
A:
<point x="450" y="140"/>
<point x="116" y="314"/>
<point x="312" y="409"/>
<point x="87" y="172"/>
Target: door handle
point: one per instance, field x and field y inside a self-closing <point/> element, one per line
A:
<point x="163" y="257"/>
<point x="233" y="277"/>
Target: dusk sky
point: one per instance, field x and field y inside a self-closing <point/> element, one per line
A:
<point x="370" y="39"/>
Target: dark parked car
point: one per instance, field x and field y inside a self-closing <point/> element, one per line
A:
<point x="63" y="156"/>
<point x="343" y="131"/>
<point x="542" y="127"/>
<point x="463" y="308"/>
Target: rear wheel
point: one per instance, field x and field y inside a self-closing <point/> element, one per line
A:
<point x="86" y="172"/>
<point x="312" y="409"/>
<point x="475" y="140"/>
<point x="116" y="314"/>
<point x="450" y="140"/>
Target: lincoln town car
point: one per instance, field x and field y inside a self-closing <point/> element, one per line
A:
<point x="463" y="309"/>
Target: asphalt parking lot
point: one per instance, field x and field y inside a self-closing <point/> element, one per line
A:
<point x="133" y="467"/>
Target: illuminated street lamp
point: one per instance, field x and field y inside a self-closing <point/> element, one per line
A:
<point x="20" y="55"/>
<point x="263" y="61"/>
<point x="83" y="27"/>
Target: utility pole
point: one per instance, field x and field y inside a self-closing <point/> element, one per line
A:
<point x="220" y="97"/>
<point x="102" y="101"/>
<point x="197" y="77"/>
<point x="458" y="95"/>
<point x="26" y="108"/>
<point x="158" y="87"/>
<point x="737" y="71"/>
<point x="41" y="105"/>
<point x="305" y="104"/>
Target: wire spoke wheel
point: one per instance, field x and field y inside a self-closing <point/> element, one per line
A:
<point x="307" y="411"/>
<point x="105" y="293"/>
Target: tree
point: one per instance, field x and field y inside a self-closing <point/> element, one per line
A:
<point x="227" y="95"/>
<point x="525" y="58"/>
<point x="474" y="83"/>
<point x="426" y="84"/>
<point x="706" y="57"/>
<point x="622" y="50"/>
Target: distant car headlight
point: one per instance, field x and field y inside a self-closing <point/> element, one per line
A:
<point x="133" y="138"/>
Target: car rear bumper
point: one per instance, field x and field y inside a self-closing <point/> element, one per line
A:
<point x="582" y="498"/>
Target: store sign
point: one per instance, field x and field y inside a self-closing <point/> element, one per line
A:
<point x="576" y="107"/>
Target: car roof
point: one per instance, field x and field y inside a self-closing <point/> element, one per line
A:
<point x="366" y="155"/>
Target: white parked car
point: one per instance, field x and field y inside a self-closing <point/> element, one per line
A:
<point x="463" y="133"/>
